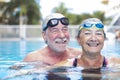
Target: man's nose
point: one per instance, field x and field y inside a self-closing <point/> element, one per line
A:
<point x="61" y="33"/>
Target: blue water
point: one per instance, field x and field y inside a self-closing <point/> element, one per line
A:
<point x="12" y="52"/>
<point x="16" y="50"/>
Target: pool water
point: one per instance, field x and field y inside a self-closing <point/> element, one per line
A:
<point x="12" y="52"/>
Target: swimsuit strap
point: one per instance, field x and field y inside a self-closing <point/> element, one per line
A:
<point x="104" y="62"/>
<point x="75" y="63"/>
<point x="103" y="65"/>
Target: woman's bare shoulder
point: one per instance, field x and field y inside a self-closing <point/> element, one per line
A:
<point x="113" y="61"/>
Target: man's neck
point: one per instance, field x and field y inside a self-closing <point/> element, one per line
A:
<point x="55" y="57"/>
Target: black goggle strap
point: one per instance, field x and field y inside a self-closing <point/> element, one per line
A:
<point x="53" y="22"/>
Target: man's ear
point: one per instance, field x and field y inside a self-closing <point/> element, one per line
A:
<point x="44" y="36"/>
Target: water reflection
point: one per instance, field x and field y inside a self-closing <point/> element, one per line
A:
<point x="111" y="47"/>
<point x="22" y="47"/>
<point x="64" y="73"/>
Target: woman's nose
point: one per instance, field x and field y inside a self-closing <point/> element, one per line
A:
<point x="93" y="37"/>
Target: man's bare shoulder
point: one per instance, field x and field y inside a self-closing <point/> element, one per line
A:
<point x="34" y="56"/>
<point x="67" y="62"/>
<point x="74" y="52"/>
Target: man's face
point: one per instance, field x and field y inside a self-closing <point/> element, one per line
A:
<point x="91" y="40"/>
<point x="57" y="37"/>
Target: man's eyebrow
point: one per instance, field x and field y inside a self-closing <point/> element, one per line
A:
<point x="65" y="26"/>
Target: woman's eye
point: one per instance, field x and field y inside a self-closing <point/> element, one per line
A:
<point x="87" y="33"/>
<point x="99" y="33"/>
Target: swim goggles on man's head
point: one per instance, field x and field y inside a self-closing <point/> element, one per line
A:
<point x="89" y="25"/>
<point x="54" y="22"/>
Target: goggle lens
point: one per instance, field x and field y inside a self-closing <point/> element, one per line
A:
<point x="52" y="23"/>
<point x="64" y="21"/>
<point x="99" y="25"/>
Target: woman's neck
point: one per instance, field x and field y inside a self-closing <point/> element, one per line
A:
<point x="88" y="61"/>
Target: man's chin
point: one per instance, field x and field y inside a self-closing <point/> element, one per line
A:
<point x="60" y="50"/>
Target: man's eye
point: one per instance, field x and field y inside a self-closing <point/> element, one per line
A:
<point x="65" y="29"/>
<point x="54" y="30"/>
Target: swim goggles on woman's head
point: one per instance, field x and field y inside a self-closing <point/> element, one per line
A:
<point x="89" y="25"/>
<point x="54" y="22"/>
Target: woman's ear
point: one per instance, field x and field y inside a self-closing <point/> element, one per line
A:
<point x="78" y="40"/>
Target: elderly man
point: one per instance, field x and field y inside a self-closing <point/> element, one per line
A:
<point x="56" y="35"/>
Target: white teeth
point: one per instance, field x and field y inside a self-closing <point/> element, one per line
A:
<point x="58" y="40"/>
<point x="64" y="39"/>
<point x="93" y="44"/>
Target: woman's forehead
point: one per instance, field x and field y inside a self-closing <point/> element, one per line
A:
<point x="92" y="29"/>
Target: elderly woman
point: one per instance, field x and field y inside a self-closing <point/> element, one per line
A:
<point x="91" y="37"/>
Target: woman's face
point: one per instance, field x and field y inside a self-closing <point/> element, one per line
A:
<point x="91" y="40"/>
